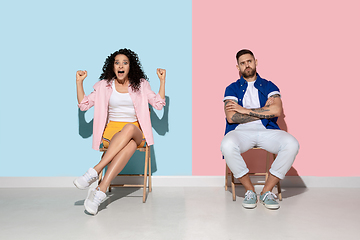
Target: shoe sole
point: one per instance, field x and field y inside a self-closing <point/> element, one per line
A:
<point x="85" y="204"/>
<point x="249" y="206"/>
<point x="78" y="186"/>
<point x="272" y="207"/>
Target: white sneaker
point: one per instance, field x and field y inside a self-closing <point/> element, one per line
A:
<point x="93" y="200"/>
<point x="87" y="179"/>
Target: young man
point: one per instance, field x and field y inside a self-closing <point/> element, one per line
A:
<point x="252" y="105"/>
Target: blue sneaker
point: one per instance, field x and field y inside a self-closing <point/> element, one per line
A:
<point x="268" y="199"/>
<point x="250" y="199"/>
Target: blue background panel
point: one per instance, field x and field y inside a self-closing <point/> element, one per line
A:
<point x="44" y="43"/>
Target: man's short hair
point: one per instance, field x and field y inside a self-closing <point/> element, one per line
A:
<point x="242" y="52"/>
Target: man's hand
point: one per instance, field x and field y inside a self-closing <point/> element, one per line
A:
<point x="232" y="114"/>
<point x="238" y="114"/>
<point x="235" y="107"/>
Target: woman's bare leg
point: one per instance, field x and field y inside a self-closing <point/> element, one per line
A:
<point x="118" y="142"/>
<point x="117" y="164"/>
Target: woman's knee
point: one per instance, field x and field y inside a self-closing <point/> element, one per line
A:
<point x="130" y="129"/>
<point x="133" y="132"/>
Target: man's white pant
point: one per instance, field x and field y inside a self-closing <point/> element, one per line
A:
<point x="246" y="137"/>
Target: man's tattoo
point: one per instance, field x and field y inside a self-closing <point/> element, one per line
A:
<point x="259" y="110"/>
<point x="226" y="102"/>
<point x="242" y="118"/>
<point x="261" y="115"/>
<point x="275" y="95"/>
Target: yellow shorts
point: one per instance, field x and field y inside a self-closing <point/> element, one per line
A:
<point x="114" y="127"/>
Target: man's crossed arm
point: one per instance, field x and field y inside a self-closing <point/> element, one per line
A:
<point x="238" y="114"/>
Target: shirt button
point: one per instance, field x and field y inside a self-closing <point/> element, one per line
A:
<point x="260" y="84"/>
<point x="243" y="90"/>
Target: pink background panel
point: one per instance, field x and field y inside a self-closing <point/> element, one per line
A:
<point x="310" y="49"/>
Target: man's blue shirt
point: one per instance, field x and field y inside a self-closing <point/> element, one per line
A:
<point x="236" y="91"/>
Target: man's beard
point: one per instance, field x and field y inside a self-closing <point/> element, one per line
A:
<point x="249" y="75"/>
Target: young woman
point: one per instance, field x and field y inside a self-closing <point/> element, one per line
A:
<point x="121" y="117"/>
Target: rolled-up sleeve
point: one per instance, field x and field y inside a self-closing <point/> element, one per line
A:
<point x="154" y="99"/>
<point x="230" y="94"/>
<point x="272" y="89"/>
<point x="86" y="103"/>
<point x="89" y="100"/>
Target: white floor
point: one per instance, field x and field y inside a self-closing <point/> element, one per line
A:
<point x="179" y="213"/>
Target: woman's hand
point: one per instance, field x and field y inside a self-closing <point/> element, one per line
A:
<point x="161" y="74"/>
<point x="80" y="76"/>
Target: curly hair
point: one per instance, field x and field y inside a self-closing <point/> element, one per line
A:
<point x="136" y="72"/>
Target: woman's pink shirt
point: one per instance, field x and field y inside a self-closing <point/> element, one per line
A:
<point x="100" y="99"/>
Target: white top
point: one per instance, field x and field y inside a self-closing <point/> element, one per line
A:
<point x="121" y="107"/>
<point x="250" y="101"/>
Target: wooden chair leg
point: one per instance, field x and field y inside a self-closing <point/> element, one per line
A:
<point x="145" y="174"/>
<point x="150" y="183"/>
<point x="279" y="191"/>
<point x="100" y="178"/>
<point x="233" y="187"/>
<point x="267" y="166"/>
<point x="101" y="173"/>
<point x="226" y="177"/>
